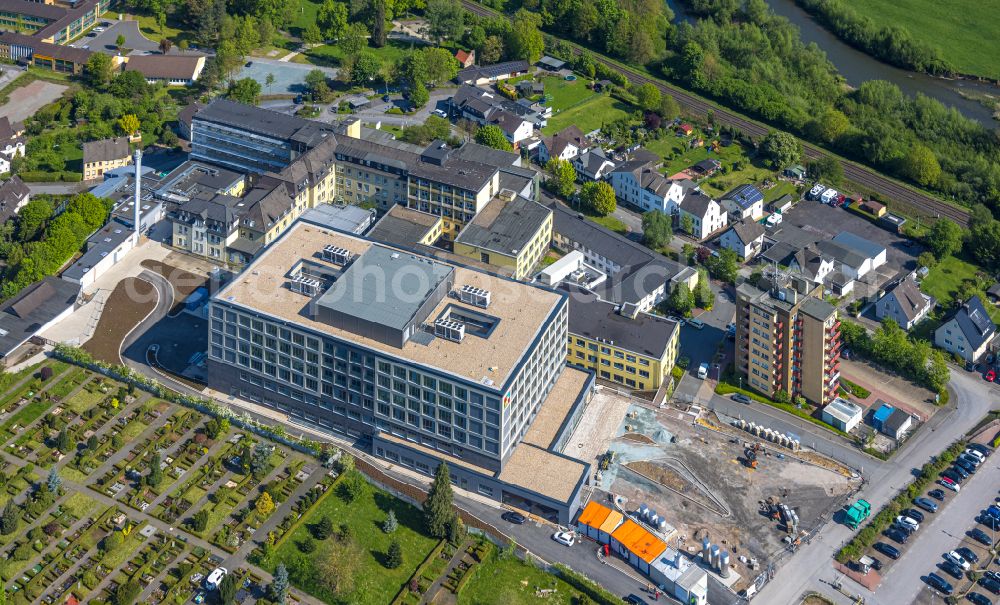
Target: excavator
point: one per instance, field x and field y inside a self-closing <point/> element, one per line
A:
<point x="750" y="455"/>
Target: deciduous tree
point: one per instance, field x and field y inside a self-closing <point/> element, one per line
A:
<point x="648" y="96"/>
<point x="492" y="136"/>
<point x="562" y="177"/>
<point x="780" y="149"/>
<point x="656" y="229"/>
<point x="599" y="196"/>
<point x="944" y="238"/>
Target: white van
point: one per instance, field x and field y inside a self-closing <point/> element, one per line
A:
<point x="214" y="579"/>
<point x="703" y="371"/>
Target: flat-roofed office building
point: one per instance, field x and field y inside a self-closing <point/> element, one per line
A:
<point x="425" y="360"/>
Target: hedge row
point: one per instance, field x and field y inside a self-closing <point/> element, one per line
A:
<point x="597" y="593"/>
<point x="50" y="177"/>
<point x="884" y="519"/>
<point x="725" y="389"/>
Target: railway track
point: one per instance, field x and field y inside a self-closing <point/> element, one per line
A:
<point x="866" y="177"/>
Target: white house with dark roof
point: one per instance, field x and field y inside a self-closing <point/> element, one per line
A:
<point x="593" y="165"/>
<point x="707" y="215"/>
<point x="566" y="144"/>
<point x="968" y="333"/>
<point x="640" y="184"/>
<point x="745" y="238"/>
<point x="904" y="303"/>
<point x="745" y="202"/>
<point x="515" y="128"/>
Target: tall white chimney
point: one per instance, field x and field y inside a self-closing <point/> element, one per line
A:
<point x="137" y="160"/>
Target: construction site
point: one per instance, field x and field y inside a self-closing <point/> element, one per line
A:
<point x="723" y="492"/>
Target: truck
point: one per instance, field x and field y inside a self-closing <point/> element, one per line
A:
<point x="856" y="514"/>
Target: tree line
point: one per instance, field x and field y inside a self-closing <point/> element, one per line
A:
<point x="891" y="43"/>
<point x="42" y="242"/>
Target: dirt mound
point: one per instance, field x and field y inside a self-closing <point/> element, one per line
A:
<point x="660" y="474"/>
<point x="638" y="438"/>
<point x="130" y="302"/>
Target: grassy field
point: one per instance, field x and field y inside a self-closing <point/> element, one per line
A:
<point x="373" y="583"/>
<point x="564" y="94"/>
<point x="949" y="27"/>
<point x="944" y="279"/>
<point x="589" y="115"/>
<point x="306" y="15"/>
<point x="502" y="581"/>
<point x="330" y="55"/>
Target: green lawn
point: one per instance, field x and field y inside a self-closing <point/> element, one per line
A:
<point x="943" y="280"/>
<point x="503" y="581"/>
<point x="373" y="583"/>
<point x="305" y="17"/>
<point x="330" y="55"/>
<point x="780" y="189"/>
<point x="948" y="27"/>
<point x="563" y="93"/>
<point x="589" y="115"/>
<point x="27" y="414"/>
<point x="77" y="504"/>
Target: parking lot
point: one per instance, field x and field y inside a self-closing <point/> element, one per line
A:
<point x="105" y="41"/>
<point x="289" y="78"/>
<point x="906" y="580"/>
<point x="825" y="222"/>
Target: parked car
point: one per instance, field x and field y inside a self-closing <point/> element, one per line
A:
<point x="945" y="481"/>
<point x="914" y="514"/>
<point x="703" y="371"/>
<point x="897" y="535"/>
<point x="816" y="191"/>
<point x="990" y="376"/>
<point x="887" y="549"/>
<point x="993" y="574"/>
<point x="990" y="522"/>
<point x="975" y="461"/>
<point x="957" y="559"/>
<point x="514" y="517"/>
<point x="697" y="324"/>
<point x="952" y="474"/>
<point x="564" y="537"/>
<point x="990" y="584"/>
<point x="951" y="569"/>
<point x="993" y="510"/>
<point x="876" y="564"/>
<point x="965" y="466"/>
<point x="936" y="581"/>
<point x="936" y="494"/>
<point x="214" y="579"/>
<point x="978" y="599"/>
<point x="740" y="398"/>
<point x="634" y="600"/>
<point x="926" y="504"/>
<point x="967" y="554"/>
<point x="440" y="113"/>
<point x="980" y="536"/>
<point x="975" y="453"/>
<point x="908" y="522"/>
<point x="982" y="449"/>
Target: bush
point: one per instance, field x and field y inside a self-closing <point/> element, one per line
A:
<point x="71" y="177"/>
<point x="855" y="389"/>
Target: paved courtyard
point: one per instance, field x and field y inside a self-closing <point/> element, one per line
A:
<point x="25" y="101"/>
<point x="289" y="78"/>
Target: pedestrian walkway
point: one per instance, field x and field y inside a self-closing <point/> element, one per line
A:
<point x="436" y="593"/>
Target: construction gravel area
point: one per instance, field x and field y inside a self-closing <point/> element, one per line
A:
<point x="598" y="425"/>
<point x="129" y="303"/>
<point x="694" y="476"/>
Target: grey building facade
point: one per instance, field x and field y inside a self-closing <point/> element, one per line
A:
<point x="328" y="348"/>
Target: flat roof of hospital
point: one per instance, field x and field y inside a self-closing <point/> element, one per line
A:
<point x="520" y="309"/>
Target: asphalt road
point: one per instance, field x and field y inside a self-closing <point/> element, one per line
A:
<point x="811" y="567"/>
<point x="940" y="533"/>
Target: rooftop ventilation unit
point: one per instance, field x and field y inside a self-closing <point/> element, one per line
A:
<point x="474" y="296"/>
<point x="304" y="285"/>
<point x="452" y="330"/>
<point x="336" y="255"/>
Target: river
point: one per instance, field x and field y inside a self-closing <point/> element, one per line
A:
<point x="857" y="67"/>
